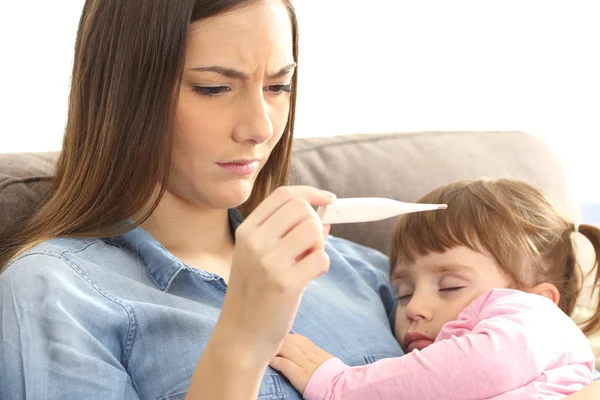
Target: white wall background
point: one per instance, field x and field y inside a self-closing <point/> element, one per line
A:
<point x="376" y="66"/>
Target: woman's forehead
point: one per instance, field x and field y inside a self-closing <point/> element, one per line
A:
<point x="259" y="33"/>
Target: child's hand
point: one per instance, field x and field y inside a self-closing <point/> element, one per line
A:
<point x="298" y="359"/>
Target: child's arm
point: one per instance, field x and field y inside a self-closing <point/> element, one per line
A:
<point x="501" y="342"/>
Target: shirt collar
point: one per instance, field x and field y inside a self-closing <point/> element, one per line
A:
<point x="161" y="265"/>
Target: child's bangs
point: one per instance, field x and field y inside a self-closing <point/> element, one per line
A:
<point x="472" y="219"/>
<point x="436" y="231"/>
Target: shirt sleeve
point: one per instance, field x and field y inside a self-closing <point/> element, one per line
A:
<point x="501" y="342"/>
<point x="60" y="336"/>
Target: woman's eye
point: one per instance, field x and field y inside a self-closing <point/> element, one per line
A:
<point x="210" y="90"/>
<point x="280" y="88"/>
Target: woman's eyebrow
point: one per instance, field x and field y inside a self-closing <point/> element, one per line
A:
<point x="233" y="73"/>
<point x="283" y="71"/>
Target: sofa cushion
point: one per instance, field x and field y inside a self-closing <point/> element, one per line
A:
<point x="24" y="181"/>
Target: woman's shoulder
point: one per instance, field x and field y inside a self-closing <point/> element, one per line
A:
<point x="53" y="251"/>
<point x="57" y="277"/>
<point x="62" y="262"/>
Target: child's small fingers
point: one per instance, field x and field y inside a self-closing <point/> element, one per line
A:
<point x="290" y="351"/>
<point x="283" y="365"/>
<point x="299" y="340"/>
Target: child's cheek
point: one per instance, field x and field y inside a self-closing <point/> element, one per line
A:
<point x="401" y="325"/>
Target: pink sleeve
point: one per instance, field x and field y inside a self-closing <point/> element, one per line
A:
<point x="502" y="341"/>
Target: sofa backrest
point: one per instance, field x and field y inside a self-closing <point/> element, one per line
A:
<point x="405" y="166"/>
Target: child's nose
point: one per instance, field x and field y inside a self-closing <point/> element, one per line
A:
<point x="419" y="308"/>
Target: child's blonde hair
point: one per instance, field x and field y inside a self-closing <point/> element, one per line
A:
<point x="512" y="221"/>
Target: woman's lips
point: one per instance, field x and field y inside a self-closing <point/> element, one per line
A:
<point x="240" y="168"/>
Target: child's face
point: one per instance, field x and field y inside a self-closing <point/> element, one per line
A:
<point x="436" y="288"/>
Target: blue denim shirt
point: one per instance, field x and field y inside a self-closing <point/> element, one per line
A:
<point x="122" y="318"/>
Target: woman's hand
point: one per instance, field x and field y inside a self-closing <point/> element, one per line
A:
<point x="280" y="249"/>
<point x="298" y="359"/>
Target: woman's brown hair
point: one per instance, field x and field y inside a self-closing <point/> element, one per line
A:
<point x="128" y="63"/>
<point x="515" y="223"/>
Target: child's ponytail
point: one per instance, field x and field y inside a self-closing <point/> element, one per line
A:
<point x="592" y="233"/>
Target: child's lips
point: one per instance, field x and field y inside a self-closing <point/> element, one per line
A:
<point x="416" y="340"/>
<point x="419" y="344"/>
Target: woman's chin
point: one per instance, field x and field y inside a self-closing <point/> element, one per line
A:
<point x="232" y="195"/>
<point x="215" y="195"/>
<point x="231" y="202"/>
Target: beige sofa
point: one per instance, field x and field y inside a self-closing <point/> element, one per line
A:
<point x="402" y="166"/>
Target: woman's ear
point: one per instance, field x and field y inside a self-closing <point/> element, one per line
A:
<point x="547" y="290"/>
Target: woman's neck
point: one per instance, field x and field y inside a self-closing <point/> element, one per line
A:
<point x="198" y="236"/>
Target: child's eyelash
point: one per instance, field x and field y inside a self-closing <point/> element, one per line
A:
<point x="452" y="289"/>
<point x="448" y="289"/>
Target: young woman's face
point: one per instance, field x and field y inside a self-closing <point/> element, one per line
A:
<point x="234" y="103"/>
<point x="436" y="288"/>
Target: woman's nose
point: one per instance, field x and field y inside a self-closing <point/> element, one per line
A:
<point x="254" y="122"/>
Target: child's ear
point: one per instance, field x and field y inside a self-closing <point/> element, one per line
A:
<point x="547" y="290"/>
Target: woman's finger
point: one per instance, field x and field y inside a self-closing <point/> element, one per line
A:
<point x="309" y="268"/>
<point x="283" y="221"/>
<point x="298" y="244"/>
<point x="326" y="230"/>
<point x="282" y="195"/>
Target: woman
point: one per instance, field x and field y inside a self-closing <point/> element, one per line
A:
<point x="173" y="126"/>
<point x="138" y="278"/>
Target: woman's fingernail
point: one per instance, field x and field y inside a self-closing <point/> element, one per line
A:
<point x="329" y="194"/>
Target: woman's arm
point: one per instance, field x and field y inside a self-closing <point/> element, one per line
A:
<point x="53" y="342"/>
<point x="226" y="373"/>
<point x="280" y="248"/>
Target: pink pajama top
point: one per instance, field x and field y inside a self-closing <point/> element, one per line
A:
<point x="507" y="344"/>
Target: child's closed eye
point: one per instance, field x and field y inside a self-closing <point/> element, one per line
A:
<point x="404" y="298"/>
<point x="452" y="289"/>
